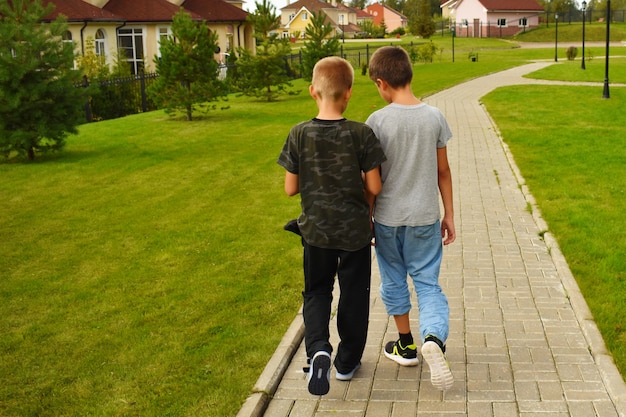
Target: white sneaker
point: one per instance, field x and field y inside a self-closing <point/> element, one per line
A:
<point x="319" y="373"/>
<point x="440" y="373"/>
<point x="349" y="375"/>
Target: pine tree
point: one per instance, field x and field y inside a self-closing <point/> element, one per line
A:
<point x="264" y="20"/>
<point x="188" y="73"/>
<point x="318" y="43"/>
<point x="264" y="74"/>
<point x="39" y="105"/>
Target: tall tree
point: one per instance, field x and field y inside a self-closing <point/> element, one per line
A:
<point x="421" y="24"/>
<point x="264" y="20"/>
<point x="264" y="74"/>
<point x="397" y="5"/>
<point x="358" y="4"/>
<point x="318" y="43"/>
<point x="188" y="73"/>
<point x="39" y="105"/>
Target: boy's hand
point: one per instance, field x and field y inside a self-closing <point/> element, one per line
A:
<point x="448" y="234"/>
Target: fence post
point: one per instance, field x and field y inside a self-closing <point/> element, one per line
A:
<point x="367" y="54"/>
<point x="88" y="114"/>
<point x="142" y="81"/>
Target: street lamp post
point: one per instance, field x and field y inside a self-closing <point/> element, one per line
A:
<point x="605" y="94"/>
<point x="453" y="32"/>
<point x="343" y="33"/>
<point x="584" y="8"/>
<point x="556" y="37"/>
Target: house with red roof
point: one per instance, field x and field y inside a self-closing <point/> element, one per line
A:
<point x="492" y="18"/>
<point x="392" y="18"/>
<point x="132" y="29"/>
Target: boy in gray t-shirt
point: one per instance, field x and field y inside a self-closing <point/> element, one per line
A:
<point x="407" y="221"/>
<point x="333" y="163"/>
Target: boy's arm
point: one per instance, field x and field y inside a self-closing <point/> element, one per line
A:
<point x="373" y="186"/>
<point x="448" y="232"/>
<point x="373" y="183"/>
<point x="292" y="183"/>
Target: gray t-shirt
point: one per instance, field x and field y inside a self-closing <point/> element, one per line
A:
<point x="410" y="137"/>
<point x="329" y="157"/>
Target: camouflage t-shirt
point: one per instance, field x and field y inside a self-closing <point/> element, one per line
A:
<point x="329" y="157"/>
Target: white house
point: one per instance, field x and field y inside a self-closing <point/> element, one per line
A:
<point x="492" y="18"/>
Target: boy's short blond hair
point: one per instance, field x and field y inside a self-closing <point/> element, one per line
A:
<point x="392" y="65"/>
<point x="332" y="77"/>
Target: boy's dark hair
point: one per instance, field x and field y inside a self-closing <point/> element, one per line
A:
<point x="391" y="64"/>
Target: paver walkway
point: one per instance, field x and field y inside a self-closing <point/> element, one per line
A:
<point x="522" y="341"/>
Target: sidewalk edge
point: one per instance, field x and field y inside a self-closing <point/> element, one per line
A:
<point x="611" y="377"/>
<point x="270" y="378"/>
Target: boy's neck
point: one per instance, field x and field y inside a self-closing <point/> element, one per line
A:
<point x="404" y="95"/>
<point x="330" y="110"/>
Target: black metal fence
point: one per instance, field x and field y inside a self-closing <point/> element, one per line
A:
<point x="358" y="56"/>
<point x="117" y="97"/>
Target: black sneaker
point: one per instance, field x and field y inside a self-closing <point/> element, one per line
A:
<point x="404" y="355"/>
<point x="319" y="374"/>
<point x="440" y="373"/>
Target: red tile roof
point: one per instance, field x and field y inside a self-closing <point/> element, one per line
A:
<point x="79" y="10"/>
<point x="511" y="5"/>
<point x="310" y="5"/>
<point x="144" y="10"/>
<point x="216" y="10"/>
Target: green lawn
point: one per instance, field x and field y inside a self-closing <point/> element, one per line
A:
<point x="145" y="271"/>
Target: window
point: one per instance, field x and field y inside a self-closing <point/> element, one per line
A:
<point x="464" y="23"/>
<point x="291" y="16"/>
<point x="501" y="22"/>
<point x="304" y="16"/>
<point x="164" y="33"/>
<point x="131" y="47"/>
<point x="67" y="36"/>
<point x="99" y="44"/>
<point x="523" y="22"/>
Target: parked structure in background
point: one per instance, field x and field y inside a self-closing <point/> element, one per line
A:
<point x="132" y="30"/>
<point x="294" y="18"/>
<point x="492" y="18"/>
<point x="391" y="18"/>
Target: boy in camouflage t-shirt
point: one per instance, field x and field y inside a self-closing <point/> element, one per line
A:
<point x="334" y="164"/>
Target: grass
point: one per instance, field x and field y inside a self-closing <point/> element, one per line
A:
<point x="594" y="72"/>
<point x="144" y="267"/>
<point x="145" y="271"/>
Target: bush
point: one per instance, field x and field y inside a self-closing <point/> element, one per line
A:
<point x="571" y="53"/>
<point x="427" y="51"/>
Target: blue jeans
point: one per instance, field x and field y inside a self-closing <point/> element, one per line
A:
<point x="417" y="252"/>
